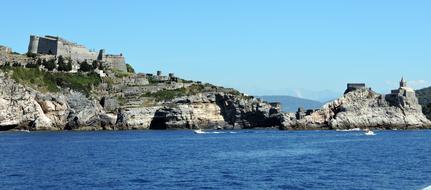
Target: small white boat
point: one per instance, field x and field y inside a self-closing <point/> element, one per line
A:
<point x="199" y="131"/>
<point x="370" y="133"/>
<point x="24" y="130"/>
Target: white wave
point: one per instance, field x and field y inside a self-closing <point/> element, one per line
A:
<point x="427" y="188"/>
<point x="212" y="132"/>
<point x="348" y="130"/>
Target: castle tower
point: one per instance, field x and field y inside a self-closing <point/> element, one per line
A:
<point x="101" y="55"/>
<point x="33" y="45"/>
<point x="403" y="83"/>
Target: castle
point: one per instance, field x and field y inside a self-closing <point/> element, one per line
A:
<point x="56" y="46"/>
<point x="355" y="86"/>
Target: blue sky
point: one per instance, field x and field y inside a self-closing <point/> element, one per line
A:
<point x="272" y="47"/>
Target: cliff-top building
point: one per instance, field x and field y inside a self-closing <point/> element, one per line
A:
<point x="355" y="86"/>
<point x="5" y="49"/>
<point x="54" y="45"/>
<point x="404" y="90"/>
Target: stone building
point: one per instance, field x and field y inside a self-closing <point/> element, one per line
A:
<point x="404" y="90"/>
<point x="54" y="45"/>
<point x="403" y="96"/>
<point x="4" y="49"/>
<point x="300" y="114"/>
<point x="355" y="86"/>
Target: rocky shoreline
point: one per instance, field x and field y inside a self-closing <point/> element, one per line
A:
<point x="24" y="108"/>
<point x="364" y="108"/>
<point x="40" y="91"/>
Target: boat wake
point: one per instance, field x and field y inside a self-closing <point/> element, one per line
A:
<point x="348" y="130"/>
<point x="199" y="131"/>
<point x="370" y="133"/>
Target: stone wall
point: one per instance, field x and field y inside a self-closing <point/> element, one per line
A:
<point x="52" y="45"/>
<point x="116" y="62"/>
<point x="47" y="46"/>
<point x="74" y="51"/>
<point x="4" y="49"/>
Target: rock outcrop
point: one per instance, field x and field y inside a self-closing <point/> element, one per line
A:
<point x="364" y="108"/>
<point x="22" y="107"/>
<point x="205" y="111"/>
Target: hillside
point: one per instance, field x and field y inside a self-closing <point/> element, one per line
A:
<point x="424" y="97"/>
<point x="291" y="104"/>
<point x="35" y="98"/>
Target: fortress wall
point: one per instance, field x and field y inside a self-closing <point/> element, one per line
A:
<point x="33" y="45"/>
<point x="47" y="46"/>
<point x="76" y="52"/>
<point x="116" y="62"/>
<point x="5" y="49"/>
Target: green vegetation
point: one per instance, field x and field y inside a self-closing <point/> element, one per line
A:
<point x="49" y="65"/>
<point x="120" y="74"/>
<point x="32" y="65"/>
<point x="130" y="68"/>
<point x="16" y="64"/>
<point x="186" y="81"/>
<point x="424" y="97"/>
<point x="165" y="95"/>
<point x="50" y="82"/>
<point x="85" y="67"/>
<point x="96" y="64"/>
<point x="152" y="80"/>
<point x="63" y="65"/>
<point x="31" y="55"/>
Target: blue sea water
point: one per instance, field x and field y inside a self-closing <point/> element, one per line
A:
<point x="260" y="159"/>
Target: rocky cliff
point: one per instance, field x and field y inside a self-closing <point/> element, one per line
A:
<point x="40" y="92"/>
<point x="364" y="108"/>
<point x="127" y="104"/>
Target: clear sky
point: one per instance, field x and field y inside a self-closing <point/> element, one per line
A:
<point x="268" y="47"/>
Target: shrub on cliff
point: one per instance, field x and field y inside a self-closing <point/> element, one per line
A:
<point x="119" y="73"/>
<point x="165" y="95"/>
<point x="32" y="65"/>
<point x="63" y="65"/>
<point x="31" y="55"/>
<point x="130" y="68"/>
<point x="49" y="65"/>
<point x="85" y="67"/>
<point x="95" y="64"/>
<point x="39" y="62"/>
<point x="53" y="82"/>
<point x="76" y="81"/>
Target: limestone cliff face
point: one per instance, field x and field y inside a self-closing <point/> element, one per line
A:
<point x="24" y="108"/>
<point x="205" y="111"/>
<point x="364" y="108"/>
<point x="21" y="107"/>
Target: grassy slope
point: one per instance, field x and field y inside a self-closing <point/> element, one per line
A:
<point x="52" y="82"/>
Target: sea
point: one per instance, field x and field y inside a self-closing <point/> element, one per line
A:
<point x="243" y="159"/>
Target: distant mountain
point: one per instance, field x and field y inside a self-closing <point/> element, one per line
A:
<point x="424" y="97"/>
<point x="291" y="104"/>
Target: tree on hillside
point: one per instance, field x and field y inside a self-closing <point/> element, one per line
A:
<point x="49" y="65"/>
<point x="130" y="68"/>
<point x="95" y="64"/>
<point x="85" y="67"/>
<point x="63" y="65"/>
